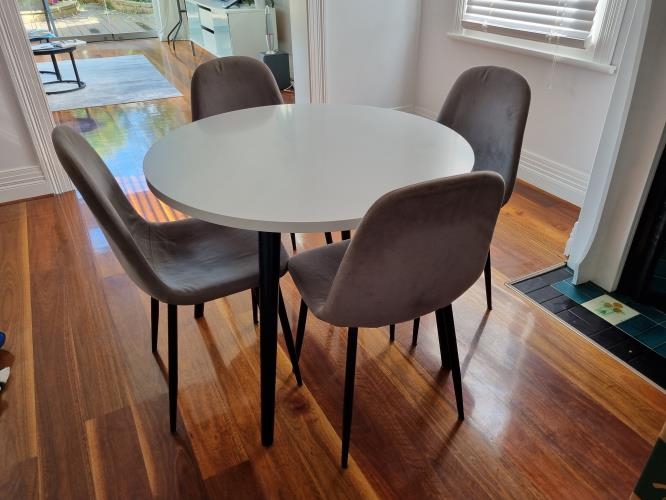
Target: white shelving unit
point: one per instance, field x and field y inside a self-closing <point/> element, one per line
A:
<point x="238" y="31"/>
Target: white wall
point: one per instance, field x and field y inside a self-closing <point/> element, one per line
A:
<point x="567" y="113"/>
<point x="371" y="51"/>
<point x="20" y="174"/>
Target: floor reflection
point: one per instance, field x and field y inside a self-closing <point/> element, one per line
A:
<point x="122" y="135"/>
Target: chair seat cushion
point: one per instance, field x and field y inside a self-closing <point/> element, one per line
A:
<point x="198" y="261"/>
<point x="313" y="273"/>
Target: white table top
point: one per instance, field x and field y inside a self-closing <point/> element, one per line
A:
<point x="299" y="168"/>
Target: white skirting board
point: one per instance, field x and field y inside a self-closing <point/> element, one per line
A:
<point x="424" y="112"/>
<point x="23" y="182"/>
<point x="554" y="178"/>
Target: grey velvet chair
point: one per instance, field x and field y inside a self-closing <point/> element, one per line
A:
<point x="232" y="83"/>
<point x="187" y="262"/>
<point x="488" y="106"/>
<point x="417" y="249"/>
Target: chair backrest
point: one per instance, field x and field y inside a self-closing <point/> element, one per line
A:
<point x="417" y="249"/>
<point x="231" y="83"/>
<point x="488" y="106"/>
<point x="124" y="228"/>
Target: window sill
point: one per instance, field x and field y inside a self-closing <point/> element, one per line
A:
<point x="521" y="49"/>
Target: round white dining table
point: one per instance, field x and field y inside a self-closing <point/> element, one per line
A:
<point x="295" y="168"/>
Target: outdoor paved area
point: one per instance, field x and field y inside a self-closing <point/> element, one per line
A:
<point x="94" y="19"/>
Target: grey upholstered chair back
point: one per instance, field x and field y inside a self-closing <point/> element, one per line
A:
<point x="488" y="106"/>
<point x="124" y="228"/>
<point x="232" y="83"/>
<point x="417" y="249"/>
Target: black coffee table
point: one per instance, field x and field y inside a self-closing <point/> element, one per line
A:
<point x="53" y="51"/>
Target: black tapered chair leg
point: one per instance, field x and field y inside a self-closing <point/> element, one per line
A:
<point x="329" y="238"/>
<point x="441" y="334"/>
<point x="154" y="321"/>
<point x="348" y="404"/>
<point x="288" y="338"/>
<point x="198" y="311"/>
<point x="345" y="235"/>
<point x="293" y="241"/>
<point x="255" y="305"/>
<point x="415" y="332"/>
<point x="452" y="347"/>
<point x="300" y="328"/>
<point x="173" y="366"/>
<point x="391" y="333"/>
<point x="489" y="290"/>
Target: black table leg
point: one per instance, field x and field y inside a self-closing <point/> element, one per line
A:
<point x="269" y="276"/>
<point x="56" y="69"/>
<point x="76" y="71"/>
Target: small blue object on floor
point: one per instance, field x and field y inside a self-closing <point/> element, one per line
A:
<point x="3" y="337"/>
<point x="110" y="80"/>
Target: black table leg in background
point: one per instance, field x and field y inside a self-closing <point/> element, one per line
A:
<point x="56" y="69"/>
<point x="269" y="276"/>
<point x="76" y="71"/>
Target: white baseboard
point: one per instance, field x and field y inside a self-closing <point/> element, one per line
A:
<point x="554" y="178"/>
<point x="23" y="182"/>
<point x="425" y="112"/>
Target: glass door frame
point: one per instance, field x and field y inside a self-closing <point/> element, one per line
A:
<point x="101" y="37"/>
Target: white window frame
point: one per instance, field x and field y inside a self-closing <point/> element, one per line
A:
<point x="600" y="55"/>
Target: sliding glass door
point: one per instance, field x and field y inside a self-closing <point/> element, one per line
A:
<point x="91" y="20"/>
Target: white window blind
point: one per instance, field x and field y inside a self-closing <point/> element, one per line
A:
<point x="566" y="22"/>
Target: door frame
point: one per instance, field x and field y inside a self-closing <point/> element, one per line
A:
<point x="32" y="100"/>
<point x="101" y="37"/>
<point x="308" y="46"/>
<point x="317" y="50"/>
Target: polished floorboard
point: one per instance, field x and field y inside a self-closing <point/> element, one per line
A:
<point x="548" y="414"/>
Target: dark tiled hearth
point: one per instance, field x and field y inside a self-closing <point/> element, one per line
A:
<point x="634" y="333"/>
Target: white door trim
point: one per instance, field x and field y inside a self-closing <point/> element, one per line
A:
<point x="32" y="100"/>
<point x="317" y="50"/>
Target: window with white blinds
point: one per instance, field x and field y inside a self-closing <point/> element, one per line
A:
<point x="565" y="22"/>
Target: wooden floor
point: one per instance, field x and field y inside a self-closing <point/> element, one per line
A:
<point x="85" y="413"/>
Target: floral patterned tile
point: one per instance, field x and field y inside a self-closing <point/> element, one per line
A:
<point x="610" y="309"/>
